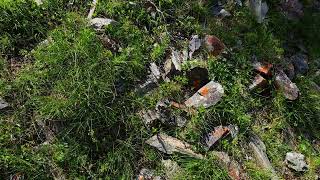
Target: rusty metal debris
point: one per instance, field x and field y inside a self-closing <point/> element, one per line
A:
<point x="207" y="96"/>
<point x="290" y="89"/>
<point x="170" y="145"/>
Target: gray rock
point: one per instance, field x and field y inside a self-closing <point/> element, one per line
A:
<point x="258" y="82"/>
<point x="147" y="174"/>
<point x="296" y="161"/>
<point x="173" y="64"/>
<point x="99" y="23"/>
<point x="155" y="70"/>
<point x="149" y="117"/>
<point x="194" y="45"/>
<point x="259" y="151"/>
<point x="259" y="9"/>
<point x="170" y="145"/>
<point x="289" y="88"/>
<point x="3" y="104"/>
<point x="207" y="96"/>
<point x="152" y="80"/>
<point x="171" y="168"/>
<point x="166" y="115"/>
<point x="38" y="2"/>
<point x="300" y="62"/>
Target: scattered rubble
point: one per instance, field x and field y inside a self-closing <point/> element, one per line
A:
<point x="300" y="62"/>
<point x="259" y="150"/>
<point x="3" y="104"/>
<point x="258" y="82"/>
<point x="296" y="161"/>
<point x="147" y="174"/>
<point x="170" y="145"/>
<point x="292" y="9"/>
<point x="194" y="45"/>
<point x="171" y="168"/>
<point x="234" y="169"/>
<point x="214" y="45"/>
<point x="207" y="96"/>
<point x="100" y="23"/>
<point x="259" y="9"/>
<point x="220" y="132"/>
<point x="289" y="88"/>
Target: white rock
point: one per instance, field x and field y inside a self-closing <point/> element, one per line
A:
<point x="99" y="23"/>
<point x="296" y="161"/>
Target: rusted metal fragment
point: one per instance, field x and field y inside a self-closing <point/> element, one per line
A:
<point x="170" y="145"/>
<point x="290" y="89"/>
<point x="207" y="96"/>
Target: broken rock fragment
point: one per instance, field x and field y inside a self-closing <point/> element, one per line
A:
<point x="207" y="96"/>
<point x="173" y="64"/>
<point x="170" y="145"/>
<point x="214" y="45"/>
<point x="152" y="80"/>
<point x="258" y="82"/>
<point x="220" y="132"/>
<point x="3" y="104"/>
<point x="289" y="88"/>
<point x="99" y="23"/>
<point x="234" y="169"/>
<point x="259" y="151"/>
<point x="259" y="9"/>
<point x="296" y="161"/>
<point x="194" y="45"/>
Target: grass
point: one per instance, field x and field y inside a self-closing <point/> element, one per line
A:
<point x="86" y="91"/>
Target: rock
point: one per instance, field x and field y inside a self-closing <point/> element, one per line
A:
<point x="220" y="12"/>
<point x="155" y="70"/>
<point x="197" y="77"/>
<point x="152" y="80"/>
<point x="3" y="104"/>
<point x="171" y="168"/>
<point x="207" y="96"/>
<point x="283" y="83"/>
<point x="220" y="132"/>
<point x="194" y="45"/>
<point x="146" y="174"/>
<point x="99" y="23"/>
<point x="234" y="169"/>
<point x="289" y="70"/>
<point x="300" y="62"/>
<point x="258" y="82"/>
<point x="292" y="9"/>
<point x="259" y="151"/>
<point x="170" y="145"/>
<point x="214" y="45"/>
<point x="296" y="161"/>
<point x="149" y="117"/>
<point x="38" y="2"/>
<point x="173" y="64"/>
<point x="259" y="9"/>
<point x="166" y="115"/>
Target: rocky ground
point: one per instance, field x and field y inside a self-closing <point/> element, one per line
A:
<point x="163" y="89"/>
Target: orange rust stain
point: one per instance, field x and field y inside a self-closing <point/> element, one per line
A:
<point x="204" y="91"/>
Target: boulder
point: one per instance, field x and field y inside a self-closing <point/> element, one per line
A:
<point x="207" y="96"/>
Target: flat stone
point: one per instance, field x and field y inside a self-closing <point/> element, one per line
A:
<point x="99" y="23"/>
<point x="207" y="96"/>
<point x="235" y="171"/>
<point x="3" y="104"/>
<point x="259" y="151"/>
<point x="289" y="88"/>
<point x="296" y="161"/>
<point x="300" y="62"/>
<point x="152" y="80"/>
<point x="170" y="145"/>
